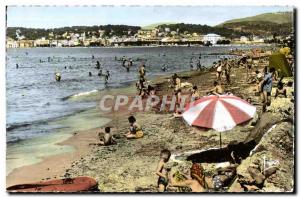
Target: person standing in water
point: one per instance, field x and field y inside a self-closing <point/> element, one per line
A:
<point x="130" y="62"/>
<point x="191" y="64"/>
<point x="98" y="65"/>
<point x="100" y="73"/>
<point x="199" y="65"/>
<point x="123" y="61"/>
<point x="106" y="77"/>
<point x="17" y="66"/>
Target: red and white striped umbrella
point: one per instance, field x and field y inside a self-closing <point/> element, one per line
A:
<point x="222" y="112"/>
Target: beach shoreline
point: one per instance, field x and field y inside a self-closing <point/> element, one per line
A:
<point x="40" y="170"/>
<point x="162" y="131"/>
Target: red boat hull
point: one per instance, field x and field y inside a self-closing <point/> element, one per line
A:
<point x="78" y="184"/>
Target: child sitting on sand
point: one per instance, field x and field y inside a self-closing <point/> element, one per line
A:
<point x="106" y="139"/>
<point x="161" y="170"/>
<point x="196" y="180"/>
<point x="135" y="130"/>
<point x="217" y="90"/>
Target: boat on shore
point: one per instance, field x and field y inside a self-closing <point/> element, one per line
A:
<point x="68" y="185"/>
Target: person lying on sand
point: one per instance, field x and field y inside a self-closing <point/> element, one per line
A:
<point x="135" y="130"/>
<point x="106" y="139"/>
<point x="196" y="180"/>
<point x="161" y="171"/>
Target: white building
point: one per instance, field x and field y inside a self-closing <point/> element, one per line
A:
<point x="244" y="39"/>
<point x="212" y="38"/>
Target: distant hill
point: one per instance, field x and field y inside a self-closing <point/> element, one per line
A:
<point x="203" y="29"/>
<point x="110" y="30"/>
<point x="277" y="17"/>
<point x="280" y="23"/>
<point x="154" y="25"/>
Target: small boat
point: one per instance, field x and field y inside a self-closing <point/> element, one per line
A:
<point x="69" y="185"/>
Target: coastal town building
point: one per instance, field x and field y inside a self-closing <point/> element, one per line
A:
<point x="11" y="43"/>
<point x="42" y="42"/>
<point x="212" y="38"/>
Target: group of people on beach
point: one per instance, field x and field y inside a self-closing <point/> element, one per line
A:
<point x="196" y="179"/>
<point x="126" y="62"/>
<point x="223" y="67"/>
<point x="144" y="89"/>
<point x="100" y="72"/>
<point x="135" y="132"/>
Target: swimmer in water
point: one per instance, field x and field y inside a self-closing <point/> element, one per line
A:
<point x="98" y="65"/>
<point x="57" y="76"/>
<point x="164" y="68"/>
<point x="100" y="73"/>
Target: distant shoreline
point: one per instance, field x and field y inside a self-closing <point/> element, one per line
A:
<point x="150" y="46"/>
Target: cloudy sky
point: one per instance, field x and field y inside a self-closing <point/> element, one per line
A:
<point x="60" y="16"/>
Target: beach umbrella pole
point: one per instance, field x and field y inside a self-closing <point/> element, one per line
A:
<point x="220" y="141"/>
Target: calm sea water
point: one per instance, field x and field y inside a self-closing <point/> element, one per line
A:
<point x="34" y="97"/>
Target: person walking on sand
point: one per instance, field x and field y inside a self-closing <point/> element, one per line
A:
<point x="267" y="88"/>
<point x="219" y="71"/>
<point x="249" y="63"/>
<point x="227" y="70"/>
<point x="135" y="130"/>
<point x="142" y="71"/>
<point x="161" y="171"/>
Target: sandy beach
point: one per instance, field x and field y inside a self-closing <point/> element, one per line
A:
<point x="129" y="165"/>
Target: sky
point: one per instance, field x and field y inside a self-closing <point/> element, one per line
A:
<point x="62" y="16"/>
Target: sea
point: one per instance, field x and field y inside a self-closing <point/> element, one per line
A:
<point x="39" y="110"/>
